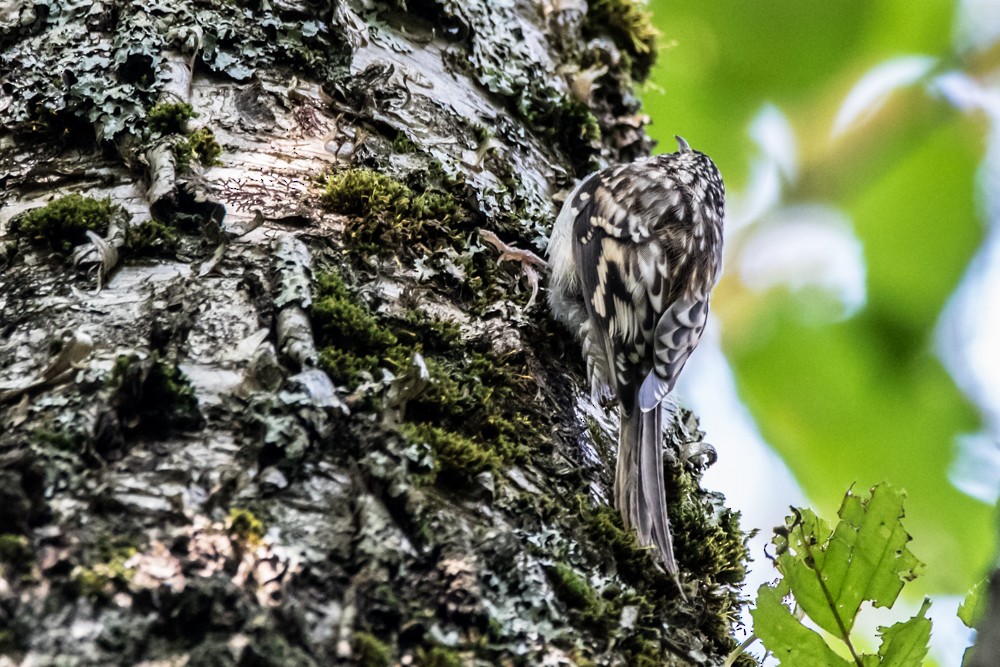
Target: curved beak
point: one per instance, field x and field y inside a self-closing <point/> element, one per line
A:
<point x="682" y="146"/>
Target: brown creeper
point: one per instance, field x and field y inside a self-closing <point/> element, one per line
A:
<point x="634" y="254"/>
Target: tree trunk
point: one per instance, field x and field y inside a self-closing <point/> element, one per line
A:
<point x="281" y="404"/>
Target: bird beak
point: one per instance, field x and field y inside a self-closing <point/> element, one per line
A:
<point x="682" y="146"/>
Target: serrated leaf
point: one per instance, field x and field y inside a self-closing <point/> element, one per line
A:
<point x="905" y="643"/>
<point x="864" y="559"/>
<point x="806" y="533"/>
<point x="974" y="605"/>
<point x="784" y="635"/>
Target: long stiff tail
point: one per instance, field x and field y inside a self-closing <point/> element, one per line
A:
<point x="640" y="492"/>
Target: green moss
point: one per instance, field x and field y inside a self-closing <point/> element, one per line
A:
<point x="270" y="649"/>
<point x="90" y="583"/>
<point x="481" y="133"/>
<point x="347" y="368"/>
<point x="713" y="544"/>
<point x="153" y="394"/>
<point x="481" y="397"/>
<point x="63" y="439"/>
<point x="205" y="146"/>
<point x="567" y="122"/>
<point x="63" y="223"/>
<point x="439" y="656"/>
<point x="16" y="554"/>
<point x="712" y="547"/>
<point x="393" y="214"/>
<point x="604" y="526"/>
<point x="416" y="329"/>
<point x="454" y="454"/>
<point x="630" y="24"/>
<point x="369" y="651"/>
<point x="473" y="414"/>
<point x="746" y="660"/>
<point x="644" y="654"/>
<point x="653" y="590"/>
<point x="605" y="443"/>
<point x="150" y="239"/>
<point x="116" y="547"/>
<point x="571" y="587"/>
<point x="118" y="370"/>
<point x="366" y="192"/>
<point x="403" y="144"/>
<point x="472" y="411"/>
<point x="13" y="641"/>
<point x="103" y="580"/>
<point x="245" y="526"/>
<point x="709" y="546"/>
<point x="643" y="645"/>
<point x="352" y="340"/>
<point x="341" y="320"/>
<point x="574" y="590"/>
<point x="199" y="146"/>
<point x="169" y="117"/>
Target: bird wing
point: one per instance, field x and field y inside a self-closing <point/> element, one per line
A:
<point x="633" y="236"/>
<point x="624" y="271"/>
<point x="677" y="334"/>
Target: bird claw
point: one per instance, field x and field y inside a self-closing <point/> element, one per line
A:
<point x="528" y="260"/>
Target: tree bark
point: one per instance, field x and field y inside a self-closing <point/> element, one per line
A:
<point x="282" y="405"/>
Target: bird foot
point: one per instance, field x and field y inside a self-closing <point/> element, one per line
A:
<point x="529" y="260"/>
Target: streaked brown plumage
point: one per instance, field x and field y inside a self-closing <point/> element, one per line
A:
<point x="634" y="254"/>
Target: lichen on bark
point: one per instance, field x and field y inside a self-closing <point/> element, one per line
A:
<point x="307" y="418"/>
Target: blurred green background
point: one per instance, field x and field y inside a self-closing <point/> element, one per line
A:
<point x="858" y="398"/>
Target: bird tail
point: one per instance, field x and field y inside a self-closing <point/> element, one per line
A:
<point x="640" y="492"/>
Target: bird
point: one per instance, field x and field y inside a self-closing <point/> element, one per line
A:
<point x="633" y="256"/>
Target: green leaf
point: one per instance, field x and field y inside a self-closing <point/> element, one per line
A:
<point x="905" y="643"/>
<point x="974" y="605"/>
<point x="802" y="572"/>
<point x="784" y="635"/>
<point x="864" y="558"/>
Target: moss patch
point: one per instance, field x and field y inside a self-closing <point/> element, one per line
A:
<point x="200" y="146"/>
<point x="715" y="546"/>
<point x="369" y="651"/>
<point x="403" y="144"/>
<point x="64" y="439"/>
<point x="454" y="454"/>
<point x="103" y="580"/>
<point x="423" y="221"/>
<point x="245" y="526"/>
<point x="352" y="339"/>
<point x="630" y="23"/>
<point x="169" y="117"/>
<point x="439" y="656"/>
<point x="472" y="413"/>
<point x="478" y="396"/>
<point x="604" y="526"/>
<point x="150" y="239"/>
<point x="16" y="554"/>
<point x="712" y="548"/>
<point x="153" y="395"/>
<point x="577" y="594"/>
<point x="393" y="214"/>
<point x="571" y="587"/>
<point x="63" y="223"/>
<point x="567" y="122"/>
